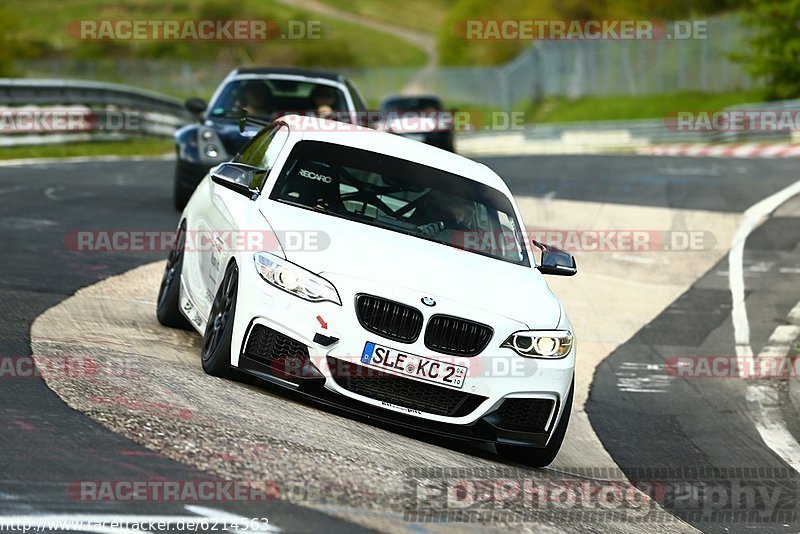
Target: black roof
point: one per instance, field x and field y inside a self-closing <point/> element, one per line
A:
<point x="287" y="70"/>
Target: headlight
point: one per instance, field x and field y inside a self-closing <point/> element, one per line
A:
<point x="294" y="279"/>
<point x="210" y="146"/>
<point x="552" y="344"/>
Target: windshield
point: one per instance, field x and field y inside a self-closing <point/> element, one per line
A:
<point x="268" y="98"/>
<point x="401" y="196"/>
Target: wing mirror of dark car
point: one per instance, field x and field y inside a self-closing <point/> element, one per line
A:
<point x="195" y="106"/>
<point x="245" y="119"/>
<point x="243" y="179"/>
<point x="555" y="261"/>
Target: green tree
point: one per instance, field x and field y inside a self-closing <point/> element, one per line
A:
<point x="775" y="47"/>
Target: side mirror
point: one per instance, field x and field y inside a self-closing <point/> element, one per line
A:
<point x="556" y="261"/>
<point x="195" y="106"/>
<point x="243" y="179"/>
<point x="245" y="119"/>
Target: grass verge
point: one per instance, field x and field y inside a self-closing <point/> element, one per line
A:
<point x="131" y="147"/>
<point x="605" y="108"/>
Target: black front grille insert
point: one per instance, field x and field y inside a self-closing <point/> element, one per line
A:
<point x="388" y="318"/>
<point x="530" y="415"/>
<point x="286" y="356"/>
<point x="402" y="391"/>
<point x="456" y="336"/>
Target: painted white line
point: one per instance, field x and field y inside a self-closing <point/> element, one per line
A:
<point x="753" y="217"/>
<point x="645" y="378"/>
<point x="768" y="417"/>
<point x="766" y="414"/>
<point x="768" y="420"/>
<point x="789" y="270"/>
<point x="794" y="314"/>
<point x="784" y="334"/>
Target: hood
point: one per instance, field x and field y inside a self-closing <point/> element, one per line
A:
<point x="360" y="251"/>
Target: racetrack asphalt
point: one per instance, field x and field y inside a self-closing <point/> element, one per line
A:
<point x="48" y="445"/>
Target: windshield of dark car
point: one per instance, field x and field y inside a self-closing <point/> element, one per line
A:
<point x="270" y="97"/>
<point x="401" y="196"/>
<point x="412" y="104"/>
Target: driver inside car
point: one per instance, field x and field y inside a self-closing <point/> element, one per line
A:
<point x="457" y="213"/>
<point x="256" y="99"/>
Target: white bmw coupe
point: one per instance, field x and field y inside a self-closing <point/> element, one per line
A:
<point x="379" y="275"/>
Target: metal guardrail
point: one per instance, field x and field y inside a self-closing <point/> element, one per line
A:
<point x="111" y="110"/>
<point x="621" y="134"/>
<point x="159" y="115"/>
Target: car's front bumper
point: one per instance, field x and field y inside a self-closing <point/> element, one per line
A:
<point x="484" y="430"/>
<point x="497" y="374"/>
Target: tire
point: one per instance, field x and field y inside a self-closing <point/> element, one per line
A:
<point x="169" y="294"/>
<point x="541" y="457"/>
<point x="216" y="351"/>
<point x="180" y="193"/>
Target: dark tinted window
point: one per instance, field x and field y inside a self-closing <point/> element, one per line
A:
<point x="412" y="104"/>
<point x="271" y="97"/>
<point x="401" y="196"/>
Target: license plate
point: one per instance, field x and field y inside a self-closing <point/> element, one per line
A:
<point x="428" y="369"/>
